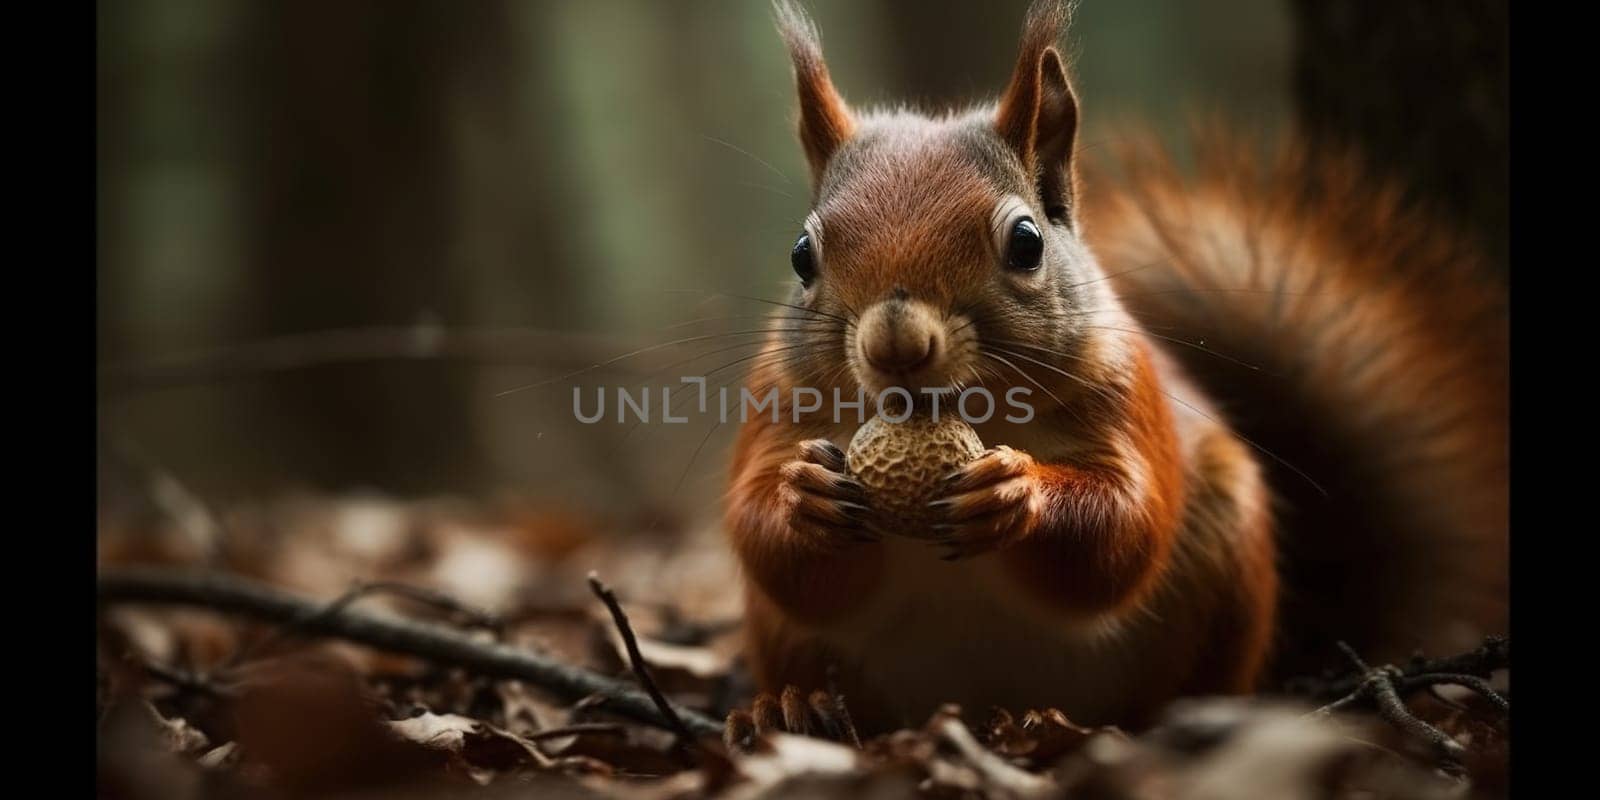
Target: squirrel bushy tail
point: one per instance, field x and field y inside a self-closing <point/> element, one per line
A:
<point x="1374" y="348"/>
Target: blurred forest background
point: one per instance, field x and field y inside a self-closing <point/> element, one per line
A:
<point x="555" y="182"/>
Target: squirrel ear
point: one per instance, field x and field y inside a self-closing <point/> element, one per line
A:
<point x="825" y="120"/>
<point x="1038" y="115"/>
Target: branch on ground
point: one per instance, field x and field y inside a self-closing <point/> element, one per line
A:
<point x="230" y="594"/>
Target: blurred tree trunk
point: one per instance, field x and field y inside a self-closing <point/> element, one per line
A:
<point x="1421" y="87"/>
<point x="355" y="222"/>
<point x="946" y="52"/>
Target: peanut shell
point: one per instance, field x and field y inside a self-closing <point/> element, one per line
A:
<point x="900" y="465"/>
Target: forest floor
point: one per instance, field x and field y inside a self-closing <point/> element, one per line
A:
<point x="233" y="662"/>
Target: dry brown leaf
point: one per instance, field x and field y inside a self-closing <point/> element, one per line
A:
<point x="439" y="731"/>
<point x="302" y="727"/>
<point x="178" y="735"/>
<point x="307" y="720"/>
<point x="791" y="757"/>
<point x="222" y="757"/>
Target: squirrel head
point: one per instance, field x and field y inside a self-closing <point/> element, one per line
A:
<point x="949" y="241"/>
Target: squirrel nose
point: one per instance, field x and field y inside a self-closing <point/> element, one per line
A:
<point x="900" y="353"/>
<point x="899" y="336"/>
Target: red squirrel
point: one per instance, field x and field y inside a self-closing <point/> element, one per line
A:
<point x="1270" y="404"/>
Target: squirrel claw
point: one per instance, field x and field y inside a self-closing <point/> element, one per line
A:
<point x="820" y="714"/>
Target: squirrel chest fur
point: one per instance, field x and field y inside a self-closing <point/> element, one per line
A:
<point x="1123" y="546"/>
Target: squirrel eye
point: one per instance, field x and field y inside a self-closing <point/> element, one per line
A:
<point x="1025" y="247"/>
<point x="804" y="263"/>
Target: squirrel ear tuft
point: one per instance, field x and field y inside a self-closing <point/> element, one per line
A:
<point x="1038" y="114"/>
<point x="825" y="120"/>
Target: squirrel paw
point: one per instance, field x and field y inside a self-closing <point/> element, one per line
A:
<point x="820" y="714"/>
<point x="824" y="502"/>
<point x="988" y="504"/>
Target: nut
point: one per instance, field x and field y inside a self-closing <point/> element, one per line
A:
<point x="900" y="465"/>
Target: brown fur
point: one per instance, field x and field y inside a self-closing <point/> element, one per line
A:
<point x="1381" y="347"/>
<point x="825" y="120"/>
<point x="1119" y="550"/>
<point x="1038" y="113"/>
<point x="1111" y="539"/>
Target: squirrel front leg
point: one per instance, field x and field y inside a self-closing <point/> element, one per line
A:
<point x="1086" y="537"/>
<point x="798" y="523"/>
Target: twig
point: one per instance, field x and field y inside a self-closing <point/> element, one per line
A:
<point x="231" y="594"/>
<point x="1384" y="686"/>
<point x="1394" y="711"/>
<point x="636" y="659"/>
<point x="1482" y="661"/>
<point x="1014" y="781"/>
<point x="183" y="680"/>
<point x="299" y="351"/>
<point x="575" y="729"/>
<point x="1473" y="682"/>
<point x="471" y="617"/>
<point x="194" y="517"/>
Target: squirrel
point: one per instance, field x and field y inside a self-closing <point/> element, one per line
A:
<point x="1272" y="415"/>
